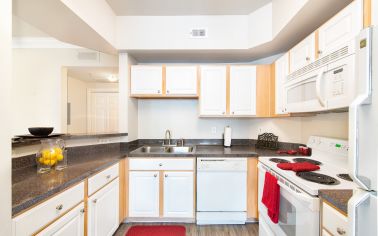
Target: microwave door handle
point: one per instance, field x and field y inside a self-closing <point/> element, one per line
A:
<point x="314" y="203"/>
<point x="318" y="92"/>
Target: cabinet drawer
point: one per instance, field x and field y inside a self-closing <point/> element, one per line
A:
<point x="39" y="216"/>
<point x="161" y="164"/>
<point x="334" y="221"/>
<point x="99" y="180"/>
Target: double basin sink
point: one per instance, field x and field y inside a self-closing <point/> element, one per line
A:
<point x="165" y="150"/>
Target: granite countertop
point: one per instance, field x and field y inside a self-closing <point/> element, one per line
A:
<point x="338" y="198"/>
<point x="30" y="188"/>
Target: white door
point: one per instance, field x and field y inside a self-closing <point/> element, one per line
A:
<point x="103" y="112"/>
<point x="281" y="72"/>
<point x="144" y="194"/>
<point x="303" y="53"/>
<point x="243" y="90"/>
<point x="146" y="80"/>
<point x="181" y="80"/>
<point x="72" y="224"/>
<point x="213" y="90"/>
<point x="178" y="194"/>
<point x="342" y="29"/>
<point x="103" y="210"/>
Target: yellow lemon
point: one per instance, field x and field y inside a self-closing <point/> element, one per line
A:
<point x="40" y="160"/>
<point x="47" y="162"/>
<point x="52" y="162"/>
<point x="53" y="155"/>
<point x="58" y="150"/>
<point x="46" y="153"/>
<point x="59" y="157"/>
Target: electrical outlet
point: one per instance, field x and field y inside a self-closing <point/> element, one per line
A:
<point x="213" y="130"/>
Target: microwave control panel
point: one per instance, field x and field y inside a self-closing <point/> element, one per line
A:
<point x="337" y="81"/>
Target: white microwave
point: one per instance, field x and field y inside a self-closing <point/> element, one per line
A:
<point x="328" y="87"/>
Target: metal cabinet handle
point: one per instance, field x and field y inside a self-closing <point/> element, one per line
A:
<point x="108" y="176"/>
<point x="94" y="201"/>
<point x="166" y="175"/>
<point x="59" y="207"/>
<point x="233" y="112"/>
<point x="320" y="52"/>
<point x="155" y="175"/>
<point x="223" y="113"/>
<point x="308" y="58"/>
<point x="160" y="164"/>
<point x="82" y="211"/>
<point x="158" y="91"/>
<point x="340" y="231"/>
<point x="167" y="91"/>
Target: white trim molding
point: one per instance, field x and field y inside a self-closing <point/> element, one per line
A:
<point x="40" y="42"/>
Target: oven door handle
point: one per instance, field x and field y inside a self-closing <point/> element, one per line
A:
<point x="318" y="92"/>
<point x="314" y="202"/>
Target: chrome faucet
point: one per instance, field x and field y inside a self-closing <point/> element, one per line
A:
<point x="167" y="138"/>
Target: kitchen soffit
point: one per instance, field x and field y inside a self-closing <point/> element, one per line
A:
<point x="184" y="7"/>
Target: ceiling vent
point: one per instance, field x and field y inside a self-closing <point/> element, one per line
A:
<point x="198" y="33"/>
<point x="88" y="56"/>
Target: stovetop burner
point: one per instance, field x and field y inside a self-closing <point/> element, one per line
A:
<point x="318" y="178"/>
<point x="345" y="177"/>
<point x="307" y="160"/>
<point x="278" y="160"/>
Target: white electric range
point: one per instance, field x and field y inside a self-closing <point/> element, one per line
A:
<point x="299" y="202"/>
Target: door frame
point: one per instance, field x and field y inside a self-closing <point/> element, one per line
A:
<point x="89" y="102"/>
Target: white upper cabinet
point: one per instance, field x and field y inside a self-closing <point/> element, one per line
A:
<point x="341" y="30"/>
<point x="144" y="194"/>
<point x="213" y="90"/>
<point x="72" y="224"/>
<point x="178" y="194"/>
<point x="243" y="90"/>
<point x="146" y="80"/>
<point x="281" y="72"/>
<point x="303" y="53"/>
<point x="103" y="210"/>
<point x="181" y="80"/>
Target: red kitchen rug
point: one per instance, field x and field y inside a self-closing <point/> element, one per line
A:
<point x="156" y="230"/>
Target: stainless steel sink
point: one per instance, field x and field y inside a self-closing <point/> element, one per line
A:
<point x="165" y="150"/>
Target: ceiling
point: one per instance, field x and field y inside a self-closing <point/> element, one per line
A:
<point x="184" y="7"/>
<point x="92" y="74"/>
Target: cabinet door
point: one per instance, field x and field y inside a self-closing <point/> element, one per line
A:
<point x="303" y="53"/>
<point x="72" y="223"/>
<point x="178" y="194"/>
<point x="144" y="194"/>
<point x="146" y="80"/>
<point x="181" y="80"/>
<point x="243" y="90"/>
<point x="342" y="29"/>
<point x="281" y="72"/>
<point x="213" y="90"/>
<point x="103" y="210"/>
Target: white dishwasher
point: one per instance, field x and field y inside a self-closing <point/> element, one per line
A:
<point x="221" y="190"/>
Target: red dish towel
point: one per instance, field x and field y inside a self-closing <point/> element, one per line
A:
<point x="271" y="197"/>
<point x="298" y="167"/>
<point x="156" y="230"/>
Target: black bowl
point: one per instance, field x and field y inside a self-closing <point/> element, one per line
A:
<point x="41" y="131"/>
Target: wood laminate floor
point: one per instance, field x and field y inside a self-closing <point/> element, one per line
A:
<point x="251" y="229"/>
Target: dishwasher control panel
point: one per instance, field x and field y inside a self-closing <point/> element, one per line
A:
<point x="221" y="164"/>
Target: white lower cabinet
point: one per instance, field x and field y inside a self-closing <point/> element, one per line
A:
<point x="103" y="210"/>
<point x="71" y="224"/>
<point x="178" y="194"/>
<point x="144" y="194"/>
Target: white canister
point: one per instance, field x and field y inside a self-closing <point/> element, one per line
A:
<point x="227" y="136"/>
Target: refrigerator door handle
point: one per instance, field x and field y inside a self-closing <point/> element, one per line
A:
<point x="353" y="203"/>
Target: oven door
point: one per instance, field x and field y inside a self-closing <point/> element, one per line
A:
<point x="299" y="211"/>
<point x="306" y="93"/>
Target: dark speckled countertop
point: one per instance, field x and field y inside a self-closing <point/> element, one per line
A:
<point x="30" y="188"/>
<point x="338" y="198"/>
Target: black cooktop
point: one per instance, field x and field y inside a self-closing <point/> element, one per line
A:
<point x="278" y="160"/>
<point x="318" y="178"/>
<point x="345" y="177"/>
<point x="307" y="160"/>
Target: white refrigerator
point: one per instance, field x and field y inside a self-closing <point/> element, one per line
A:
<point x="363" y="137"/>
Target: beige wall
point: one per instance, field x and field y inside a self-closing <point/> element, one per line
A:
<point x="37" y="77"/>
<point x="5" y="118"/>
<point x="181" y="117"/>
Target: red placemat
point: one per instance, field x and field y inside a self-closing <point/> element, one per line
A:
<point x="156" y="230"/>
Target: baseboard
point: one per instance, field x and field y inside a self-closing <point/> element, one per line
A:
<point x="158" y="220"/>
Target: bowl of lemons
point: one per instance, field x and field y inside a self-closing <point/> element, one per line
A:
<point x="51" y="155"/>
